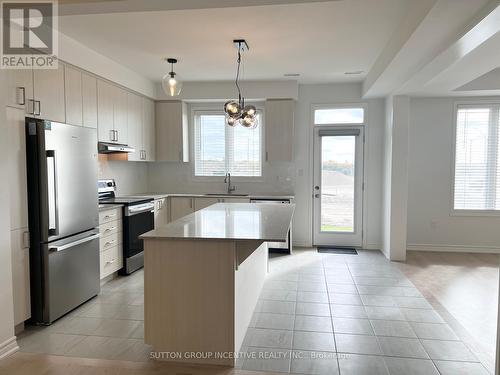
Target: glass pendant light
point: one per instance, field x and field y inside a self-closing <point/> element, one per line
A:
<point x="171" y="85"/>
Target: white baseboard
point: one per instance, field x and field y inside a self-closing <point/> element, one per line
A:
<point x="8" y="347"/>
<point x="373" y="246"/>
<point x="454" y="248"/>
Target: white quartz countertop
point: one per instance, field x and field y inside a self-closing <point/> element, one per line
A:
<point x="230" y="221"/>
<point x="271" y="196"/>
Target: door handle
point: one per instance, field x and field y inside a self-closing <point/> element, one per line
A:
<point x="74" y="243"/>
<point x="51" y="154"/>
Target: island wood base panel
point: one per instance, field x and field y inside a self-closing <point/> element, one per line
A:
<point x="200" y="296"/>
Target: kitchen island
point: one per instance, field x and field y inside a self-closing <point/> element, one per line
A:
<point x="203" y="275"/>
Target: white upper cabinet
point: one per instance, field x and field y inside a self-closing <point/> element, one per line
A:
<point x="279" y="127"/>
<point x="148" y="129"/>
<point x="89" y="100"/>
<point x="134" y="125"/>
<point x="19" y="87"/>
<point x="120" y="114"/>
<point x="105" y="121"/>
<point x="171" y="132"/>
<point x="48" y="100"/>
<point x="112" y="113"/>
<point x="73" y="93"/>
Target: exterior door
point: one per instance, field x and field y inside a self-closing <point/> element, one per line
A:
<point x="338" y="186"/>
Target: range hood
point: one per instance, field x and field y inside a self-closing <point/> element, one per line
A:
<point x="114" y="148"/>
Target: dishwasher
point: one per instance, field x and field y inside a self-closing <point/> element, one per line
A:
<point x="278" y="247"/>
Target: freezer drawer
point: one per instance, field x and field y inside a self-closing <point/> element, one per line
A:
<point x="73" y="276"/>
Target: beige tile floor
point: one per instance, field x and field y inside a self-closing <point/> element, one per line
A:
<point x="318" y="314"/>
<point x="350" y="314"/>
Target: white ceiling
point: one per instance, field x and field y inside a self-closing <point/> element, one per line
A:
<point x="319" y="40"/>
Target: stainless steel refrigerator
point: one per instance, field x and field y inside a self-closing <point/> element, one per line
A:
<point x="63" y="217"/>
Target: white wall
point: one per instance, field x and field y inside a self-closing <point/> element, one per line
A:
<point x="310" y="95"/>
<point x="131" y="177"/>
<point x="395" y="177"/>
<point x="174" y="177"/>
<point x="284" y="177"/>
<point x="7" y="338"/>
<point x="76" y="53"/>
<point x="386" y="176"/>
<point x="223" y="90"/>
<point x="430" y="224"/>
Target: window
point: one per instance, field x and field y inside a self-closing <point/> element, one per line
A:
<point x="477" y="162"/>
<point x="345" y="115"/>
<point x="219" y="148"/>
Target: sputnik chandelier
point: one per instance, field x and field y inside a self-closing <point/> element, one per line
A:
<point x="236" y="111"/>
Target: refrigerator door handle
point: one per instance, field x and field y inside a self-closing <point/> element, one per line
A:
<point x="74" y="243"/>
<point x="52" y="189"/>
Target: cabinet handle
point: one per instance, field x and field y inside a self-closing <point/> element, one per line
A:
<point x="23" y="95"/>
<point x="191" y="203"/>
<point x="39" y="108"/>
<point x="116" y="135"/>
<point x="108" y="243"/>
<point x="112" y="135"/>
<point x="109" y="216"/>
<point x="111" y="261"/>
<point x="145" y="157"/>
<point x="267" y="156"/>
<point x="109" y="229"/>
<point x="33" y="111"/>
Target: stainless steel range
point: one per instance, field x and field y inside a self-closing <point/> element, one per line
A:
<point x="138" y="218"/>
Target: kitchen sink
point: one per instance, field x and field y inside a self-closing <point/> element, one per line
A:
<point x="227" y="195"/>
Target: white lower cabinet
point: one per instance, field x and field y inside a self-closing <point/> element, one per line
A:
<point x="180" y="206"/>
<point x="19" y="242"/>
<point x="200" y="203"/>
<point x="161" y="212"/>
<point x="110" y="243"/>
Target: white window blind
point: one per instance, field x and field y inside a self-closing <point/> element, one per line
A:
<point x="220" y="148"/>
<point x="477" y="161"/>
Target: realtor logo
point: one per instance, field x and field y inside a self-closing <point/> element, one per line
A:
<point x="29" y="39"/>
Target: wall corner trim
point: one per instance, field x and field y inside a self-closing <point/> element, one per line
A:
<point x="8" y="347"/>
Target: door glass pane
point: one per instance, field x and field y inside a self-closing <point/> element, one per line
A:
<point x="339" y="116"/>
<point x="337" y="183"/>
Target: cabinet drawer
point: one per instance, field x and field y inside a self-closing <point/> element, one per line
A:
<point x="110" y="215"/>
<point x="110" y="241"/>
<point x="110" y="228"/>
<point x="111" y="260"/>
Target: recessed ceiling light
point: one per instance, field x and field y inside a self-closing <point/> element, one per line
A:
<point x="291" y="74"/>
<point x="354" y="72"/>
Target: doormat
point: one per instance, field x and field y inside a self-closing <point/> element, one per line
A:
<point x="337" y="250"/>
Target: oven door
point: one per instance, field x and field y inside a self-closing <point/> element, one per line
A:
<point x="138" y="220"/>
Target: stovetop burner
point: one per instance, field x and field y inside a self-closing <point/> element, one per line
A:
<point x="107" y="189"/>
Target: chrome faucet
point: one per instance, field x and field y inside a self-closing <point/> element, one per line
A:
<point x="227" y="180"/>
